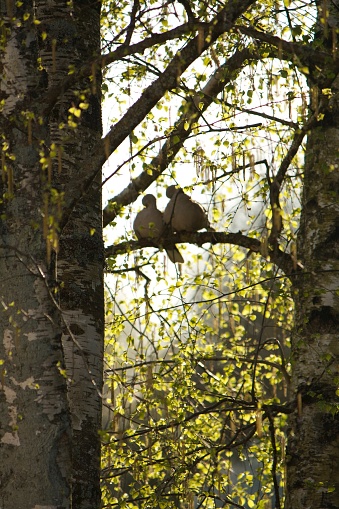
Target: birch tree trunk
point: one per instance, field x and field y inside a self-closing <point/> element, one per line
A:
<point x="51" y="290"/>
<point x="313" y="450"/>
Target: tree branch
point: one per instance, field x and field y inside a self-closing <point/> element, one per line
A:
<point x="224" y="73"/>
<point x="223" y="22"/>
<point x="261" y="114"/>
<point x="102" y="61"/>
<point x="169" y="78"/>
<point x="307" y="55"/>
<point x="131" y="26"/>
<point x="182" y="130"/>
<point x="281" y="259"/>
<point x="215" y="28"/>
<point x="275" y="184"/>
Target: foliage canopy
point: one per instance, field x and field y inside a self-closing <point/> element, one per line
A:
<point x="197" y="356"/>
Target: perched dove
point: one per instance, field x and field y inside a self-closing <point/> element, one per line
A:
<point x="183" y="214"/>
<point x="149" y="224"/>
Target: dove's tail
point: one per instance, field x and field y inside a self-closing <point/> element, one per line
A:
<point x="174" y="255"/>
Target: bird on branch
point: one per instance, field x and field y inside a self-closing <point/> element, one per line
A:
<point x="183" y="214"/>
<point x="149" y="224"/>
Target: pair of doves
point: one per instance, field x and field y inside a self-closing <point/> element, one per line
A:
<point x="181" y="214"/>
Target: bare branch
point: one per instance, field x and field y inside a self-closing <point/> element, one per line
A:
<point x="131" y="26"/>
<point x="236" y="170"/>
<point x="261" y="114"/>
<point x="188" y="9"/>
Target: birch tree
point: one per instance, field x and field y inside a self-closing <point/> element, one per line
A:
<point x="51" y="257"/>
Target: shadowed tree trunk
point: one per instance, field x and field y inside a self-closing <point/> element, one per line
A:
<point x="313" y="451"/>
<point x="51" y="277"/>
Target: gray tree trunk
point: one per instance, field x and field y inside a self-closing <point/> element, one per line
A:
<point x="313" y="448"/>
<point x="51" y="319"/>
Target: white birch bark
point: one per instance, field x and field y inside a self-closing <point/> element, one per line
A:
<point x="35" y="466"/>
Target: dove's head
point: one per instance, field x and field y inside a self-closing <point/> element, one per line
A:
<point x="148" y="199"/>
<point x="171" y="190"/>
